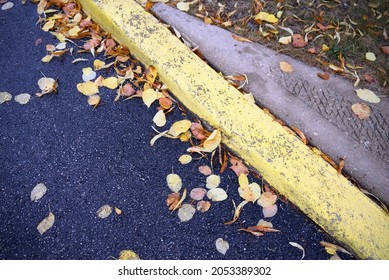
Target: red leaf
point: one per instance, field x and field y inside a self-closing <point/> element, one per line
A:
<point x="298" y="41"/>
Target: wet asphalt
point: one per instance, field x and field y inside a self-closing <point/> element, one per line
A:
<point x="91" y="157"/>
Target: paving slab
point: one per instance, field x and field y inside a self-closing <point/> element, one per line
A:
<point x="321" y="109"/>
<point x="283" y="160"/>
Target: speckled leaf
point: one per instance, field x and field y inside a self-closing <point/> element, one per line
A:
<point x="186" y="212"/>
<point x="38" y="192"/>
<point x="104" y="211"/>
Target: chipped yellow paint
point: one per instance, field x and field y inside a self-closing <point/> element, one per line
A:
<point x="283" y="160"/>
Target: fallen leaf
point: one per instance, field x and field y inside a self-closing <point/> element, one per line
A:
<point x="203" y="206"/>
<point x="46" y="223"/>
<point x="128" y="255"/>
<point x="222" y="246"/>
<point x="185" y="159"/>
<point x="370" y="56"/>
<point x="213" y="181"/>
<point x="267" y="199"/>
<point x="270" y="211"/>
<point x="332" y="248"/>
<point x="151" y="74"/>
<point x="263" y="16"/>
<point x="367" y="95"/>
<point x="61" y="46"/>
<point x="249" y="97"/>
<point x="47" y="85"/>
<point x="368" y="78"/>
<point x="104" y="211"/>
<point x="198" y="131"/>
<point x="7" y="6"/>
<point x="210" y="144"/>
<point x="48" y="25"/>
<point x="179" y="127"/>
<point x="156" y="137"/>
<point x="237" y="212"/>
<point x="149" y="96"/>
<point x="159" y="118"/>
<point x="94" y="100"/>
<point x="22" y="98"/>
<point x="205" y="170"/>
<point x="324" y="76"/>
<point x="262" y="222"/>
<point x="385" y="49"/>
<point x="285" y="40"/>
<point x="79" y="60"/>
<point x="172" y="200"/>
<point x="238" y="166"/>
<point x="217" y="194"/>
<point x="361" y="110"/>
<point x="250" y="192"/>
<point x="335" y="257"/>
<point x="88" y="74"/>
<point x="240" y="39"/>
<point x="183" y="6"/>
<point x="98" y="64"/>
<point x="294" y="244"/>
<point x="74" y="31"/>
<point x="259" y="230"/>
<point x="298" y="41"/>
<point x="174" y="182"/>
<point x="38" y="192"/>
<point x="111" y="82"/>
<point x="286" y="67"/>
<point x="186" y="212"/>
<point x="118" y="211"/>
<point x="127" y="90"/>
<point x="88" y="88"/>
<point x="312" y="50"/>
<point x="5" y="97"/>
<point x="198" y="193"/>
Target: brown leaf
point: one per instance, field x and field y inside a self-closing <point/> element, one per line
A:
<point x="238" y="166"/>
<point x="127" y="90"/>
<point x="324" y="76"/>
<point x="312" y="50"/>
<point x="368" y="78"/>
<point x="262" y="228"/>
<point x="240" y="39"/>
<point x="361" y="110"/>
<point x="300" y="134"/>
<point x="203" y="206"/>
<point x="172" y="200"/>
<point x="341" y="166"/>
<point x="298" y="41"/>
<point x="198" y="131"/>
<point x="385" y="49"/>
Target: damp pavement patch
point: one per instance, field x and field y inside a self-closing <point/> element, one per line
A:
<point x="321" y="109"/>
<point x="284" y="161"/>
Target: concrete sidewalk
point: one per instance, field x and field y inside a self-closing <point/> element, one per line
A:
<point x="320" y="109"/>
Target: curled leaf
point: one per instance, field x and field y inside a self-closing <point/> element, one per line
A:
<point x="179" y="127"/>
<point x="237" y="212"/>
<point x="294" y="244"/>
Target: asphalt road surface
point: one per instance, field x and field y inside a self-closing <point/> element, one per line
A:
<point x="91" y="157"/>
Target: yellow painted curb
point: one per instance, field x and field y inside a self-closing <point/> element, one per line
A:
<point x="283" y="160"/>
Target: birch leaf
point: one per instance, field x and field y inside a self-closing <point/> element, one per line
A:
<point x="185" y="159"/>
<point x="270" y="211"/>
<point x="46" y="223"/>
<point x="22" y="98"/>
<point x="104" y="211"/>
<point x="203" y="206"/>
<point x="370" y="56"/>
<point x="149" y="96"/>
<point x="5" y="97"/>
<point x="217" y="194"/>
<point x="367" y="95"/>
<point x="94" y="100"/>
<point x="88" y="74"/>
<point x="294" y="244"/>
<point x="267" y="199"/>
<point x="198" y="193"/>
<point x="212" y="181"/>
<point x="183" y="6"/>
<point x="128" y="255"/>
<point x="174" y="182"/>
<point x="205" y="170"/>
<point x="111" y="82"/>
<point x="38" y="192"/>
<point x="186" y="212"/>
<point x="159" y="118"/>
<point x="88" y="88"/>
<point x="179" y="127"/>
<point x="222" y="246"/>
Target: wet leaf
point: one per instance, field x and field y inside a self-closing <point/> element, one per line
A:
<point x="267" y="199"/>
<point x="222" y="246"/>
<point x="298" y="41"/>
<point x="111" y="82"/>
<point x="174" y="182"/>
<point x="183" y="6"/>
<point x="213" y="181"/>
<point x="203" y="206"/>
<point x="270" y="211"/>
<point x="149" y="96"/>
<point x="205" y="170"/>
<point x="104" y="211"/>
<point x="367" y="95"/>
<point x="198" y="193"/>
<point x="238" y="166"/>
<point x="185" y="159"/>
<point x="179" y="127"/>
<point x="370" y="56"/>
<point x="94" y="100"/>
<point x="88" y="74"/>
<point x="286" y="67"/>
<point x="294" y="244"/>
<point x="38" y="192"/>
<point x="88" y="88"/>
<point x="46" y="223"/>
<point x="186" y="212"/>
<point x="159" y="118"/>
<point x="217" y="194"/>
<point x="128" y="255"/>
<point x="5" y="97"/>
<point x="361" y="110"/>
<point x="22" y="98"/>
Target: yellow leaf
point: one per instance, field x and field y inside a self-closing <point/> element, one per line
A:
<point x="367" y="95"/>
<point x="286" y="67"/>
<point x="243" y="180"/>
<point x="87" y="88"/>
<point x="185" y="159"/>
<point x="128" y="255"/>
<point x="250" y="192"/>
<point x="94" y="100"/>
<point x="111" y="82"/>
<point x="179" y="127"/>
<point x="104" y="211"/>
<point x="325" y="48"/>
<point x="47" y="58"/>
<point x="59" y="36"/>
<point x="361" y="110"/>
<point x="263" y="16"/>
<point x="47" y="85"/>
<point x="88" y="74"/>
<point x="151" y="74"/>
<point x="160" y="118"/>
<point x="118" y="211"/>
<point x="174" y="182"/>
<point x="149" y="96"/>
<point x="98" y="64"/>
<point x="74" y="31"/>
<point x="213" y="141"/>
<point x="46" y="223"/>
<point x="267" y="199"/>
<point x="370" y="56"/>
<point x="48" y="25"/>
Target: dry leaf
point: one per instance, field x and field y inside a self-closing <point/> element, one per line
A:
<point x="128" y="255"/>
<point x="88" y="74"/>
<point x="250" y="192"/>
<point x="205" y="169"/>
<point x="222" y="246"/>
<point x="94" y="100"/>
<point x="203" y="206"/>
<point x="104" y="211"/>
<point x="185" y="159"/>
<point x="385" y="49"/>
<point x="172" y="201"/>
<point x="294" y="244"/>
<point x="237" y="212"/>
<point x="7" y="6"/>
<point x="88" y="88"/>
<point x="22" y="98"/>
<point x="198" y="131"/>
<point x="240" y="39"/>
<point x="179" y="127"/>
<point x="213" y="181"/>
<point x="217" y="194"/>
<point x="298" y="41"/>
<point x="370" y="56"/>
<point x="151" y="74"/>
<point x="332" y="248"/>
<point x="165" y="102"/>
<point x="210" y="144"/>
<point x="47" y="85"/>
<point x="5" y="97"/>
<point x="238" y="166"/>
<point x="263" y="16"/>
<point x="198" y="193"/>
<point x="159" y="118"/>
<point x="98" y="64"/>
<point x="267" y="199"/>
<point x="186" y="212"/>
<point x="324" y="76"/>
<point x="111" y="82"/>
<point x="361" y="110"/>
<point x="149" y="96"/>
<point x="286" y="67"/>
<point x="270" y="211"/>
<point x="174" y="182"/>
<point x="46" y="223"/>
<point x="118" y="211"/>
<point x="285" y="40"/>
<point x="367" y="95"/>
<point x="183" y="6"/>
<point x="48" y="25"/>
<point x="38" y="192"/>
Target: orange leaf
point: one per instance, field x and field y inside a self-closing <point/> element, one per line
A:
<point x="298" y="41"/>
<point x="324" y="76"/>
<point x="240" y="39"/>
<point x="238" y="166"/>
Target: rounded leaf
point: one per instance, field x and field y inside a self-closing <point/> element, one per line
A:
<point x="186" y="212"/>
<point x="213" y="181"/>
<point x="267" y="199"/>
<point x="198" y="193"/>
<point x="203" y="206"/>
<point x="217" y="194"/>
<point x="174" y="182"/>
<point x="104" y="211"/>
<point x="222" y="246"/>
